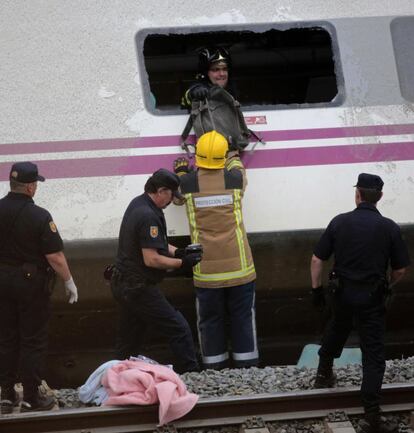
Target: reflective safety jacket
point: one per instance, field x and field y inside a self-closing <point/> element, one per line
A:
<point x="213" y="200"/>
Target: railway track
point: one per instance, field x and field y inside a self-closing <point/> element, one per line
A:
<point x="208" y="412"/>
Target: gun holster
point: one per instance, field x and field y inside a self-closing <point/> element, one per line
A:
<point x="108" y="272"/>
<point x="50" y="280"/>
<point x="334" y="284"/>
<point x="385" y="291"/>
<point x="29" y="270"/>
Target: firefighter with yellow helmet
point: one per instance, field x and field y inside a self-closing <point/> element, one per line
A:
<point x="225" y="279"/>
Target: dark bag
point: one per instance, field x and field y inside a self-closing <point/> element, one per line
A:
<point x="219" y="112"/>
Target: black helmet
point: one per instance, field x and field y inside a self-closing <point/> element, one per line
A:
<point x="207" y="56"/>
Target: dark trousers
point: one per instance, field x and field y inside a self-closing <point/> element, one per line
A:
<point x="214" y="307"/>
<point x="143" y="307"/>
<point x="24" y="318"/>
<point x="363" y="307"/>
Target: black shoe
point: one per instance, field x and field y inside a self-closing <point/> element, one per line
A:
<point x="374" y="423"/>
<point x="246" y="364"/>
<point x="9" y="400"/>
<point x="38" y="402"/>
<point x="325" y="380"/>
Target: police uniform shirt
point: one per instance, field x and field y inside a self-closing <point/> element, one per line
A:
<point x="27" y="232"/>
<point x="364" y="243"/>
<point x="143" y="226"/>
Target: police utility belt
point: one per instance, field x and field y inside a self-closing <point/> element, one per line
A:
<point x="28" y="270"/>
<point x="379" y="286"/>
<point x="111" y="272"/>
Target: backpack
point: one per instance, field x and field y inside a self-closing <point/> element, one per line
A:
<point x="220" y="112"/>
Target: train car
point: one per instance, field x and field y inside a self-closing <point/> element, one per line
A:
<point x="90" y="91"/>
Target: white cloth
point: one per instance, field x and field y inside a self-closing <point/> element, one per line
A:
<point x="92" y="391"/>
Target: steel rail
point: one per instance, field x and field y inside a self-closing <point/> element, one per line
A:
<point x="207" y="412"/>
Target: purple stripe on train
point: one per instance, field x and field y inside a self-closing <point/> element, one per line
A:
<point x="263" y="158"/>
<point x="174" y="140"/>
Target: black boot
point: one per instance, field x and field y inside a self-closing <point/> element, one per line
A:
<point x="217" y="366"/>
<point x="246" y="364"/>
<point x="374" y="423"/>
<point x="9" y="399"/>
<point x="325" y="377"/>
<point x="37" y="401"/>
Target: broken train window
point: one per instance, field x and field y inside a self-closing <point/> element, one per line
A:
<point x="402" y="32"/>
<point x="273" y="66"/>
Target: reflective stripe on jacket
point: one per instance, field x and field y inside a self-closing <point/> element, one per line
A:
<point x="214" y="209"/>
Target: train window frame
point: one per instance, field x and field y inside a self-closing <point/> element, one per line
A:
<point x="148" y="97"/>
<point x="402" y="36"/>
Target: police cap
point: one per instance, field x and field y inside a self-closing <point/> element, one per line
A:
<point x="167" y="179"/>
<point x="370" y="181"/>
<point x="25" y="172"/>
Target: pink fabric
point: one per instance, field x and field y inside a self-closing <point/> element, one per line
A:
<point x="138" y="382"/>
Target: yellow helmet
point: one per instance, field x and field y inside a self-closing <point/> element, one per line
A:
<point x="211" y="150"/>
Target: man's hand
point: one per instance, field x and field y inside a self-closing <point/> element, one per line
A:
<point x="181" y="166"/>
<point x="199" y="92"/>
<point x="318" y="298"/>
<point x="71" y="290"/>
<point x="190" y="260"/>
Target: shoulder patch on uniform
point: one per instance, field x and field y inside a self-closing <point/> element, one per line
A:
<point x="154" y="231"/>
<point x="53" y="227"/>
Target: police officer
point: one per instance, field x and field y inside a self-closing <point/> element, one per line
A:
<point x="144" y="256"/>
<point x="30" y="244"/>
<point x="225" y="279"/>
<point x="214" y="66"/>
<point x="364" y="244"/>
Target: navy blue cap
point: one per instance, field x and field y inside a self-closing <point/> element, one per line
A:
<point x="370" y="181"/>
<point x="25" y="172"/>
<point x="167" y="179"/>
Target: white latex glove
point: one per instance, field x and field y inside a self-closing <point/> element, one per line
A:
<point x="71" y="290"/>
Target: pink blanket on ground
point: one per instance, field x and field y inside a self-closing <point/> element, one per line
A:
<point x="138" y="382"/>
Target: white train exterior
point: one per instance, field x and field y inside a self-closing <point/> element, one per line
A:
<point x="88" y="91"/>
<point x="74" y="100"/>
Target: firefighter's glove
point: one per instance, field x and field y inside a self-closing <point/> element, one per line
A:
<point x="318" y="298"/>
<point x="199" y="92"/>
<point x="181" y="166"/>
<point x="238" y="145"/>
<point x="190" y="260"/>
<point x="179" y="253"/>
<point x="71" y="290"/>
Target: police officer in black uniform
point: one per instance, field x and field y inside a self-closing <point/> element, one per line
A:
<point x="144" y="256"/>
<point x="364" y="244"/>
<point x="30" y="245"/>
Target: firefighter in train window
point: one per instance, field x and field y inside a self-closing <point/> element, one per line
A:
<point x="214" y="69"/>
<point x="274" y="67"/>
